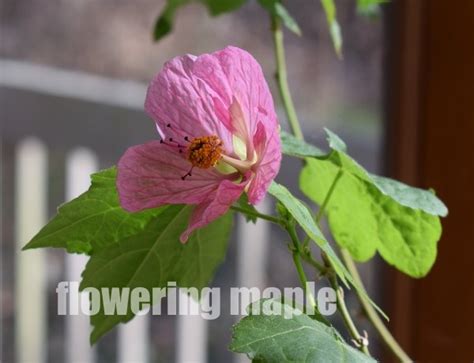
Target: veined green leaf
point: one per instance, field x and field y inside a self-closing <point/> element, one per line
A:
<point x="298" y="148"/>
<point x="303" y="216"/>
<point x="278" y="333"/>
<point x="154" y="257"/>
<point x="93" y="220"/>
<point x="368" y="213"/>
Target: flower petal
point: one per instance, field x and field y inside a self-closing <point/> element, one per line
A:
<point x="268" y="147"/>
<point x="150" y="175"/>
<point x="194" y="96"/>
<point x="206" y="212"/>
<point x="249" y="87"/>
<point x="181" y="103"/>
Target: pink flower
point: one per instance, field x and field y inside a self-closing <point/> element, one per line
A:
<point x="219" y="138"/>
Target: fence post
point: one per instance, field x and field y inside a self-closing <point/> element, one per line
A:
<point x="30" y="215"/>
<point x="80" y="163"/>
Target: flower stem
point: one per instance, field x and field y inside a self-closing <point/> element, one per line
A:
<point x="282" y="78"/>
<point x="298" y="254"/>
<point x="362" y="342"/>
<point x="372" y="315"/>
<point x="285" y="94"/>
<point x="299" y="266"/>
<point x="256" y="214"/>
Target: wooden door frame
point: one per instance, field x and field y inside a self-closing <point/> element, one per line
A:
<point x="430" y="139"/>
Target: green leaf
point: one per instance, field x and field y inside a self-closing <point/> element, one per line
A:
<point x="93" y="220"/>
<point x="303" y="216"/>
<point x="405" y="195"/>
<point x="164" y="23"/>
<point x="335" y="142"/>
<point x="217" y="7"/>
<point x="248" y="210"/>
<point x="368" y="213"/>
<point x="334" y="28"/>
<point x="369" y="7"/>
<point x="275" y="8"/>
<point x="153" y="257"/>
<point x="295" y="147"/>
<point x="276" y="332"/>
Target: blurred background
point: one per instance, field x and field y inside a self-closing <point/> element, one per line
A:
<point x="73" y="81"/>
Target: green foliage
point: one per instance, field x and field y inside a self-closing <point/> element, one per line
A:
<point x="369" y="7"/>
<point x="164" y="23"/>
<point x="284" y="334"/>
<point x="217" y="7"/>
<point x="275" y="8"/>
<point x="248" y="210"/>
<point x="93" y="220"/>
<point x="303" y="217"/>
<point x="368" y="213"/>
<point x="295" y="147"/>
<point x="155" y="256"/>
<point x="334" y="28"/>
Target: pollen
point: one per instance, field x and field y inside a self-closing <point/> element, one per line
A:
<point x="204" y="152"/>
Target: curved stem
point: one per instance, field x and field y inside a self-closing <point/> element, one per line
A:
<point x="361" y="341"/>
<point x="372" y="315"/>
<point x="256" y="214"/>
<point x="285" y="94"/>
<point x="282" y="78"/>
<point x="297" y="254"/>
<point x="299" y="266"/>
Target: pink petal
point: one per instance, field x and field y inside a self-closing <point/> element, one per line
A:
<point x="149" y="176"/>
<point x="195" y="94"/>
<point x="249" y="87"/>
<point x="268" y="147"/>
<point x="206" y="212"/>
<point x="178" y="97"/>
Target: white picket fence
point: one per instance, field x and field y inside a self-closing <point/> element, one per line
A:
<point x="31" y="181"/>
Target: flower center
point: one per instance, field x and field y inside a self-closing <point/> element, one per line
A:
<point x="204" y="152"/>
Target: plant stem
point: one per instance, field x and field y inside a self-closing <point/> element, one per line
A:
<point x="341" y="304"/>
<point x="285" y="94"/>
<point x="372" y="315"/>
<point x="256" y="214"/>
<point x="282" y="78"/>
<point x="297" y="253"/>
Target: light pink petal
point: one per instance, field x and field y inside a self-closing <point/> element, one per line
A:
<point x="195" y="94"/>
<point x="182" y="104"/>
<point x="149" y="175"/>
<point x="211" y="209"/>
<point x="268" y="147"/>
<point x="240" y="127"/>
<point x="249" y="87"/>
